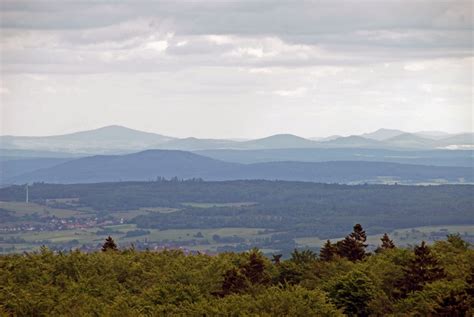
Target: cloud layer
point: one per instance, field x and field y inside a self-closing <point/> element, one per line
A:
<point x="324" y="60"/>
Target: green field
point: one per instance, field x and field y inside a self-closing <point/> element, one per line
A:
<point x="205" y="242"/>
<point x="87" y="236"/>
<point x="23" y="209"/>
<point x="192" y="239"/>
<point x="402" y="237"/>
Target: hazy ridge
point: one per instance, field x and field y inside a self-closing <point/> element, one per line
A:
<point x="126" y="154"/>
<point x="117" y="139"/>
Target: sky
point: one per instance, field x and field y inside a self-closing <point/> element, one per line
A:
<point x="240" y="69"/>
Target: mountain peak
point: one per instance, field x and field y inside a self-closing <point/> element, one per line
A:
<point x="114" y="127"/>
<point x="287" y="136"/>
<point x="382" y="134"/>
<point x="279" y="141"/>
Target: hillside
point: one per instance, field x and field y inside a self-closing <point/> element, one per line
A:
<point x="428" y="157"/>
<point x="148" y="165"/>
<point x="278" y="141"/>
<point x="413" y="141"/>
<point x="102" y="140"/>
<point x="382" y="134"/>
<point x="121" y="140"/>
<point x="10" y="168"/>
<point x="352" y="141"/>
<point x="190" y="144"/>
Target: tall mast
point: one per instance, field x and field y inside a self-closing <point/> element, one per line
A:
<point x="27" y="193"/>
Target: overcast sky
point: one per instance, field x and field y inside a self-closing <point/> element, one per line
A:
<point x="236" y="69"/>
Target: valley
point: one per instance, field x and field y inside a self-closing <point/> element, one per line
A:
<point x="211" y="217"/>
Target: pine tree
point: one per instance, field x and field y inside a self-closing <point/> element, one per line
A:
<point x="422" y="269"/>
<point x="387" y="243"/>
<point x="353" y="246"/>
<point x="109" y="244"/>
<point x="237" y="280"/>
<point x="359" y="233"/>
<point x="254" y="269"/>
<point x="328" y="251"/>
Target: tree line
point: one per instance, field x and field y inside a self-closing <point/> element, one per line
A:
<point x="296" y="208"/>
<point x="343" y="279"/>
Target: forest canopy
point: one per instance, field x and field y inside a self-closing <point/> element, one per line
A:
<point x="344" y="279"/>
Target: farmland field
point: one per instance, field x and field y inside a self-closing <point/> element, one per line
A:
<point x="274" y="216"/>
<point x="203" y="238"/>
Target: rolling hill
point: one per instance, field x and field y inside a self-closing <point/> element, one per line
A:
<point x="148" y="165"/>
<point x="427" y="157"/>
<point x="191" y="144"/>
<point x="412" y="141"/>
<point x="353" y="141"/>
<point x="122" y="140"/>
<point x="103" y="140"/>
<point x="278" y="141"/>
<point x="382" y="134"/>
<point x="10" y="168"/>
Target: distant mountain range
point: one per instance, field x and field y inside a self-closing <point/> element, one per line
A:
<point x="121" y="140"/>
<point x="148" y="165"/>
<point x="420" y="157"/>
<point x="107" y="139"/>
<point x="125" y="154"/>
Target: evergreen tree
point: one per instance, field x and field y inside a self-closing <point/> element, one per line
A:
<point x="254" y="269"/>
<point x="353" y="246"/>
<point x="234" y="282"/>
<point x="109" y="244"/>
<point x="387" y="243"/>
<point x="422" y="269"/>
<point x="237" y="280"/>
<point x="359" y="233"/>
<point x="328" y="251"/>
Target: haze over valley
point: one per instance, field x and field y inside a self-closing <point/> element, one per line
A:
<point x="117" y="153"/>
<point x="236" y="158"/>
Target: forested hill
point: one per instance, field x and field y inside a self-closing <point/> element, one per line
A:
<point x="343" y="280"/>
<point x="292" y="208"/>
<point x="148" y="165"/>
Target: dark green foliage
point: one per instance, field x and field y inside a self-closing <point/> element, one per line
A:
<point x="455" y="304"/>
<point x="422" y="269"/>
<point x="254" y="269"/>
<point x="353" y="246"/>
<point x="252" y="272"/>
<point x="387" y="243"/>
<point x="328" y="252"/>
<point x="170" y="283"/>
<point x="109" y="245"/>
<point x="234" y="282"/>
<point x="359" y="233"/>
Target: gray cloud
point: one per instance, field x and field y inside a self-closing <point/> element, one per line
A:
<point x="333" y="61"/>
